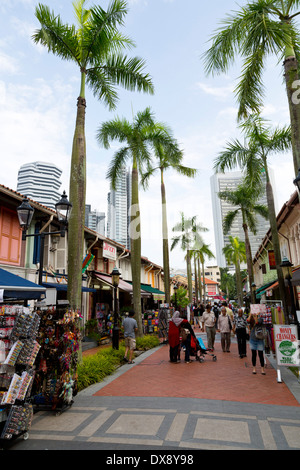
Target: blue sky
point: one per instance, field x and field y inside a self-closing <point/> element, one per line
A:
<point x="38" y="95"/>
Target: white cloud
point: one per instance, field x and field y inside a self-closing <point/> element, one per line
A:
<point x="218" y="92"/>
<point x="8" y="64"/>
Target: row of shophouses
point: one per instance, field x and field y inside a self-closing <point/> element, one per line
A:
<point x="265" y="274"/>
<point x="23" y="278"/>
<point x="20" y="270"/>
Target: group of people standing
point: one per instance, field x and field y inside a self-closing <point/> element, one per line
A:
<point x="221" y="319"/>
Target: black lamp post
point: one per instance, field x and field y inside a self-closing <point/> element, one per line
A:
<point x="286" y="266"/>
<point x="253" y="290"/>
<point x="115" y="276"/>
<point x="175" y="289"/>
<point x="25" y="213"/>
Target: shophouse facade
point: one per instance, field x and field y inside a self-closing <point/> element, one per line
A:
<point x="265" y="273"/>
<point x="100" y="256"/>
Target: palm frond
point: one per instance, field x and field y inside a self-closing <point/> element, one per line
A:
<point x="225" y="45"/>
<point x="250" y="89"/>
<point x="128" y="73"/>
<point x="228" y="220"/>
<point x="116" y="129"/>
<point x="117" y="164"/>
<point x="57" y="37"/>
<point x="235" y="155"/>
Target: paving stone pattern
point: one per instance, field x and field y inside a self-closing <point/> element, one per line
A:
<point x="154" y="404"/>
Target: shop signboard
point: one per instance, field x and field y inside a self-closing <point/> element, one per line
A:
<point x="287" y="346"/>
<point x="109" y="251"/>
<point x="258" y="308"/>
<point x="272" y="261"/>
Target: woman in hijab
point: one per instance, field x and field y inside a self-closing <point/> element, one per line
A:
<point x="174" y="340"/>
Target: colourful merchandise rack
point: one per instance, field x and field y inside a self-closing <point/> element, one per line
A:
<point x="19" y="348"/>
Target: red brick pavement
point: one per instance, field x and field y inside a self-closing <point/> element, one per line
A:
<point x="229" y="378"/>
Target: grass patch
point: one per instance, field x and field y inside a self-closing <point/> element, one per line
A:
<point x="95" y="368"/>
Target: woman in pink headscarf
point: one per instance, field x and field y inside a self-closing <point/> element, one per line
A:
<point x="174" y="339"/>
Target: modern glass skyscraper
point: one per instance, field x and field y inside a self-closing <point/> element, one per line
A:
<point x="40" y="182"/>
<point x="229" y="181"/>
<point x="118" y="204"/>
<point x="94" y="220"/>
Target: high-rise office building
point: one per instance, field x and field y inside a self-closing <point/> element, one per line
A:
<point x="229" y="181"/>
<point x="118" y="204"/>
<point x="94" y="220"/>
<point x="40" y="182"/>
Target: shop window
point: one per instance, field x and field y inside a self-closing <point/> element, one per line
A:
<point x="10" y="237"/>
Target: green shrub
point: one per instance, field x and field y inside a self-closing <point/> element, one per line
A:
<point x="147" y="342"/>
<point x="95" y="368"/>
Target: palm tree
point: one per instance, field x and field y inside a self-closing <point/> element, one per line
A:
<point x="260" y="142"/>
<point x="167" y="157"/>
<point x="235" y="252"/>
<point x="188" y="229"/>
<point x="138" y="138"/>
<point x="258" y="30"/>
<point x="245" y="199"/>
<point x="96" y="47"/>
<point x="200" y="252"/>
<point x="227" y="283"/>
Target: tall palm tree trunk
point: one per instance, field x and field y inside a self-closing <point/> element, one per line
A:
<point x="249" y="261"/>
<point x="203" y="283"/>
<point x="77" y="198"/>
<point x="166" y="261"/>
<point x="196" y="281"/>
<point x="135" y="238"/>
<point x="189" y="275"/>
<point x="200" y="282"/>
<point x="239" y="282"/>
<point x="291" y="78"/>
<point x="276" y="246"/>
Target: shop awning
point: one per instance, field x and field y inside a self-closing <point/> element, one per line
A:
<point x="296" y="278"/>
<point x="218" y="297"/>
<point x="64" y="287"/>
<point x="19" y="288"/>
<point x="156" y="293"/>
<point x="123" y="285"/>
<point x="262" y="290"/>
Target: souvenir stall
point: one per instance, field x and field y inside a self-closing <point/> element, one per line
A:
<point x="18" y="351"/>
<point x="151" y="322"/>
<point x="272" y="314"/>
<point x="55" y="381"/>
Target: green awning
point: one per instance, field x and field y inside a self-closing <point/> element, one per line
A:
<point x="151" y="289"/>
<point x="259" y="292"/>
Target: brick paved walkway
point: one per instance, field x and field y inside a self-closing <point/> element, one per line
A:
<point x="229" y="378"/>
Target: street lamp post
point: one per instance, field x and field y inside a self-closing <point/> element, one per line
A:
<point x="175" y="289"/>
<point x="25" y="213"/>
<point x="253" y="290"/>
<point x="286" y="266"/>
<point x="115" y="276"/>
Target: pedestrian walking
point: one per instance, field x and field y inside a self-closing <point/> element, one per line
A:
<point x="257" y="341"/>
<point x="200" y="316"/>
<point x="240" y="328"/>
<point x="216" y="311"/>
<point x="225" y="326"/>
<point x="196" y="315"/>
<point x="130" y="327"/>
<point x="209" y="321"/>
<point x="174" y="336"/>
<point x="186" y="339"/>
